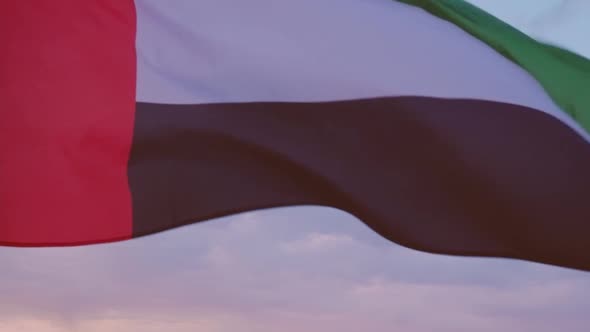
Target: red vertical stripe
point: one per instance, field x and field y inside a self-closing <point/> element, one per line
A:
<point x="67" y="100"/>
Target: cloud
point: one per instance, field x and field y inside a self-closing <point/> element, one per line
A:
<point x="315" y="243"/>
<point x="284" y="269"/>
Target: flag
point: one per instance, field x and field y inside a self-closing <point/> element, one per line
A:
<point x="438" y="125"/>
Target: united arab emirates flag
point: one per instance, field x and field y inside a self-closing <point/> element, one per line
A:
<point x="440" y="126"/>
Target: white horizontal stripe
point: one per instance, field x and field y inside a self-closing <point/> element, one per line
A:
<point x="208" y="51"/>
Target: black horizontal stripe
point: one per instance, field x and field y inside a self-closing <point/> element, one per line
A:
<point x="462" y="177"/>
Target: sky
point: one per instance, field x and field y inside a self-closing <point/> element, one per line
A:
<point x="296" y="269"/>
<point x="288" y="269"/>
<point x="563" y="23"/>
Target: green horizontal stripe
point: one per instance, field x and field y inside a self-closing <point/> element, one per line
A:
<point x="564" y="75"/>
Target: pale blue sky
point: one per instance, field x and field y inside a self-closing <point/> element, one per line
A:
<point x="297" y="269"/>
<point x="561" y="22"/>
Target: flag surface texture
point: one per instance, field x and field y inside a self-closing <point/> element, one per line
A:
<point x="440" y="126"/>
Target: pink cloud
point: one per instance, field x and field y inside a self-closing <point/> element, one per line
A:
<point x="282" y="270"/>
